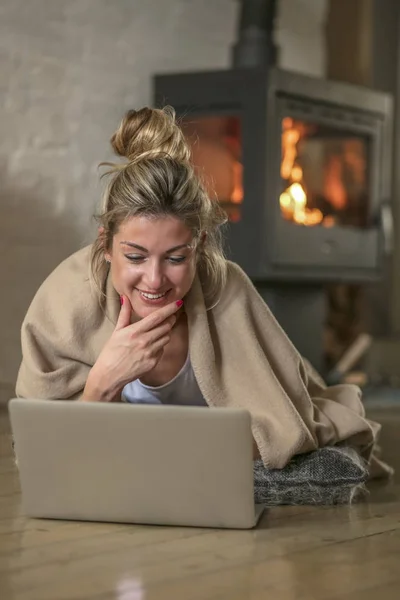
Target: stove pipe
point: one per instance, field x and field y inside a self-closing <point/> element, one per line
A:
<point x="255" y="46"/>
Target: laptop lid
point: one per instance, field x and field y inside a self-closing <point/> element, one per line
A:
<point x="169" y="465"/>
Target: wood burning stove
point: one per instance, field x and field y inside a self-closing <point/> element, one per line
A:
<point x="303" y="167"/>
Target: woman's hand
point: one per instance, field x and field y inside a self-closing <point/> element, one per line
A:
<point x="131" y="351"/>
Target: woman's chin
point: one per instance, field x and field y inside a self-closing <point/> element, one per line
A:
<point x="141" y="312"/>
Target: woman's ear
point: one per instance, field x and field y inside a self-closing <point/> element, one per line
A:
<point x="203" y="238"/>
<point x="101" y="233"/>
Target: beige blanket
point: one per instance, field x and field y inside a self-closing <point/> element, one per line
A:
<point x="240" y="355"/>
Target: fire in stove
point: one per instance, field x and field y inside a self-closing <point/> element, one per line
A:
<point x="293" y="200"/>
<point x="324" y="175"/>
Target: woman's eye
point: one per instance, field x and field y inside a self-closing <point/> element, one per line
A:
<point x="138" y="258"/>
<point x="135" y="258"/>
<point x="176" y="260"/>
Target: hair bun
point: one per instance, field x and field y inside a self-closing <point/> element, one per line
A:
<point x="150" y="133"/>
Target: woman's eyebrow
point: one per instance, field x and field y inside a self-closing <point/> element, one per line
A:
<point x="134" y="246"/>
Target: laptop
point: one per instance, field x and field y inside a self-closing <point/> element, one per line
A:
<point x="160" y="465"/>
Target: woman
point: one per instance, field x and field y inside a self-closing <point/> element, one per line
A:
<point x="152" y="312"/>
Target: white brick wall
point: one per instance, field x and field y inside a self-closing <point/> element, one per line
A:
<point x="301" y="35"/>
<point x="69" y="69"/>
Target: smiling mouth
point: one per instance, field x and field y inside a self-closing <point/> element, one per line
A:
<point x="150" y="296"/>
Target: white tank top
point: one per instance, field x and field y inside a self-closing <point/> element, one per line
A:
<point x="182" y="389"/>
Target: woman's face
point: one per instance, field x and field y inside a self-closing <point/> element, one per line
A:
<point x="152" y="262"/>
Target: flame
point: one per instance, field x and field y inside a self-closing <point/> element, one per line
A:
<point x="293" y="200"/>
<point x="237" y="192"/>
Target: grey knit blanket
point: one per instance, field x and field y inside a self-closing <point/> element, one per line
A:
<point x="331" y="475"/>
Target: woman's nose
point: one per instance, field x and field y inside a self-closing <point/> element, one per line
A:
<point x="155" y="275"/>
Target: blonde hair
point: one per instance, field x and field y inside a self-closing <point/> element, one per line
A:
<point x="158" y="180"/>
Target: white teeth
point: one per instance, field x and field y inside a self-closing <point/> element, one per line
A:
<point x="152" y="296"/>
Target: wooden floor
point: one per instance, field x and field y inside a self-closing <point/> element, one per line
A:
<point x="296" y="553"/>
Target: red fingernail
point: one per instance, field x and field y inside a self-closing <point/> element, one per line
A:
<point x="179" y="303"/>
<point x="121" y="299"/>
